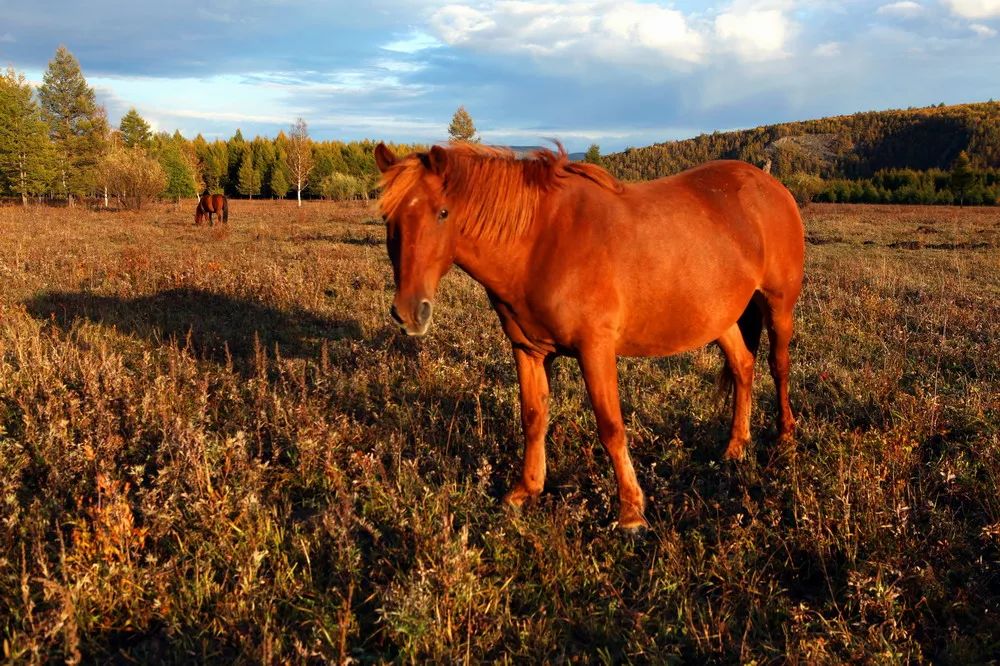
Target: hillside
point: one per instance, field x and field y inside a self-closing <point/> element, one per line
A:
<point x="854" y="147"/>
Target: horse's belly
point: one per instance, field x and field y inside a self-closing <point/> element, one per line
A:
<point x="665" y="324"/>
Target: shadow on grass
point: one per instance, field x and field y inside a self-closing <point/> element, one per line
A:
<point x="215" y="326"/>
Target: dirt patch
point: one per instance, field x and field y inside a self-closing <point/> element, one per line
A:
<point x="918" y="245"/>
<point x="823" y="240"/>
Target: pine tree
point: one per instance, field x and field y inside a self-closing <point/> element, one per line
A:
<point x="236" y="146"/>
<point x="135" y="130"/>
<point x="962" y="176"/>
<point x="213" y="160"/>
<point x="25" y="150"/>
<point x="279" y="183"/>
<point x="300" y="157"/>
<point x="178" y="167"/>
<point x="462" y="127"/>
<point x="77" y="126"/>
<point x="593" y="155"/>
<point x="249" y="182"/>
<point x="263" y="160"/>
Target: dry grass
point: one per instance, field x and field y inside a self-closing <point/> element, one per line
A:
<point x="213" y="447"/>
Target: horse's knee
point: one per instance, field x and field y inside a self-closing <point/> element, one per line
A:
<point x="612" y="433"/>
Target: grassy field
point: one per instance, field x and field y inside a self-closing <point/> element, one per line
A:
<point x="215" y="447"/>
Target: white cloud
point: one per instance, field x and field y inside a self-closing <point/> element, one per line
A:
<point x="754" y="34"/>
<point x="974" y="9"/>
<point x="982" y="30"/>
<point x="828" y="50"/>
<point x="603" y="29"/>
<point x="905" y="9"/>
<point x="647" y="35"/>
<point x="413" y="43"/>
<point x="7" y="38"/>
<point x="662" y="31"/>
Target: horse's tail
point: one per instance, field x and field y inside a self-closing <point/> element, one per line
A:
<point x="724" y="383"/>
<point x="225" y="210"/>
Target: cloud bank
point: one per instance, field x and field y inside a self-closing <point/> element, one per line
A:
<point x="626" y="72"/>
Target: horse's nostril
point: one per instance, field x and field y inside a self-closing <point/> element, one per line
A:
<point x="394" y="313"/>
<point x="425" y="312"/>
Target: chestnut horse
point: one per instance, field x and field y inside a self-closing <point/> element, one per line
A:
<point x="576" y="263"/>
<point x="212" y="203"/>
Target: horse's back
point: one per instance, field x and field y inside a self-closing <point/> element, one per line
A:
<point x="672" y="263"/>
<point x="724" y="189"/>
<point x="736" y="202"/>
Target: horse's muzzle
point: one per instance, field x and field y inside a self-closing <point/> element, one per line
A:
<point x="421" y="320"/>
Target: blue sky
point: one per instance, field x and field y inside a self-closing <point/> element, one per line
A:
<point x="614" y="72"/>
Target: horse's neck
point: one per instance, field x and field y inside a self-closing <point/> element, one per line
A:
<point x="498" y="266"/>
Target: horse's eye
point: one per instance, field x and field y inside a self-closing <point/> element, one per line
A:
<point x="443" y="215"/>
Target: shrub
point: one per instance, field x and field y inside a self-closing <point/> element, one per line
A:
<point x="132" y="176"/>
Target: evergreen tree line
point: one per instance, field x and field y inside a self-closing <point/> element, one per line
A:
<point x="903" y="156"/>
<point x="962" y="185"/>
<point x="56" y="143"/>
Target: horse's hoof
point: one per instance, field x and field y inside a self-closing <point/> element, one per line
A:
<point x="634" y="527"/>
<point x="519" y="497"/>
<point x="785" y="449"/>
<point x="631" y="519"/>
<point x="734" y="451"/>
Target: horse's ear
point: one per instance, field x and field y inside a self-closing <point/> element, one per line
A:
<point x="437" y="160"/>
<point x="384" y="157"/>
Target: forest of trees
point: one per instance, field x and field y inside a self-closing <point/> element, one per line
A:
<point x="56" y="143"/>
<point x="940" y="154"/>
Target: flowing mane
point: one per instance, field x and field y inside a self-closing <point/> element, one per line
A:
<point x="494" y="193"/>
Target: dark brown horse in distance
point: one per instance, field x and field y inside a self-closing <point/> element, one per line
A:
<point x="576" y="263"/>
<point x="209" y="204"/>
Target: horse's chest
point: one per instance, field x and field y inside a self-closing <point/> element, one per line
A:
<point x="522" y="330"/>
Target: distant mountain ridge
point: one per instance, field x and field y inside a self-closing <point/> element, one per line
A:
<point x="852" y="146"/>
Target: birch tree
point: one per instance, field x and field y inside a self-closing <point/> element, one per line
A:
<point x="133" y="176"/>
<point x="299" y="158"/>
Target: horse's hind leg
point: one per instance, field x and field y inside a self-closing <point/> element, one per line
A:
<point x="779" y="333"/>
<point x="738" y="369"/>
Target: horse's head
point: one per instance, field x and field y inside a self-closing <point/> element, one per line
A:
<point x="420" y="236"/>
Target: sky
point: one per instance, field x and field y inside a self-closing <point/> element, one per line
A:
<point x="617" y="73"/>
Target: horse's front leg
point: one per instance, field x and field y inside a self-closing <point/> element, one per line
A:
<point x="600" y="373"/>
<point x="533" y="372"/>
